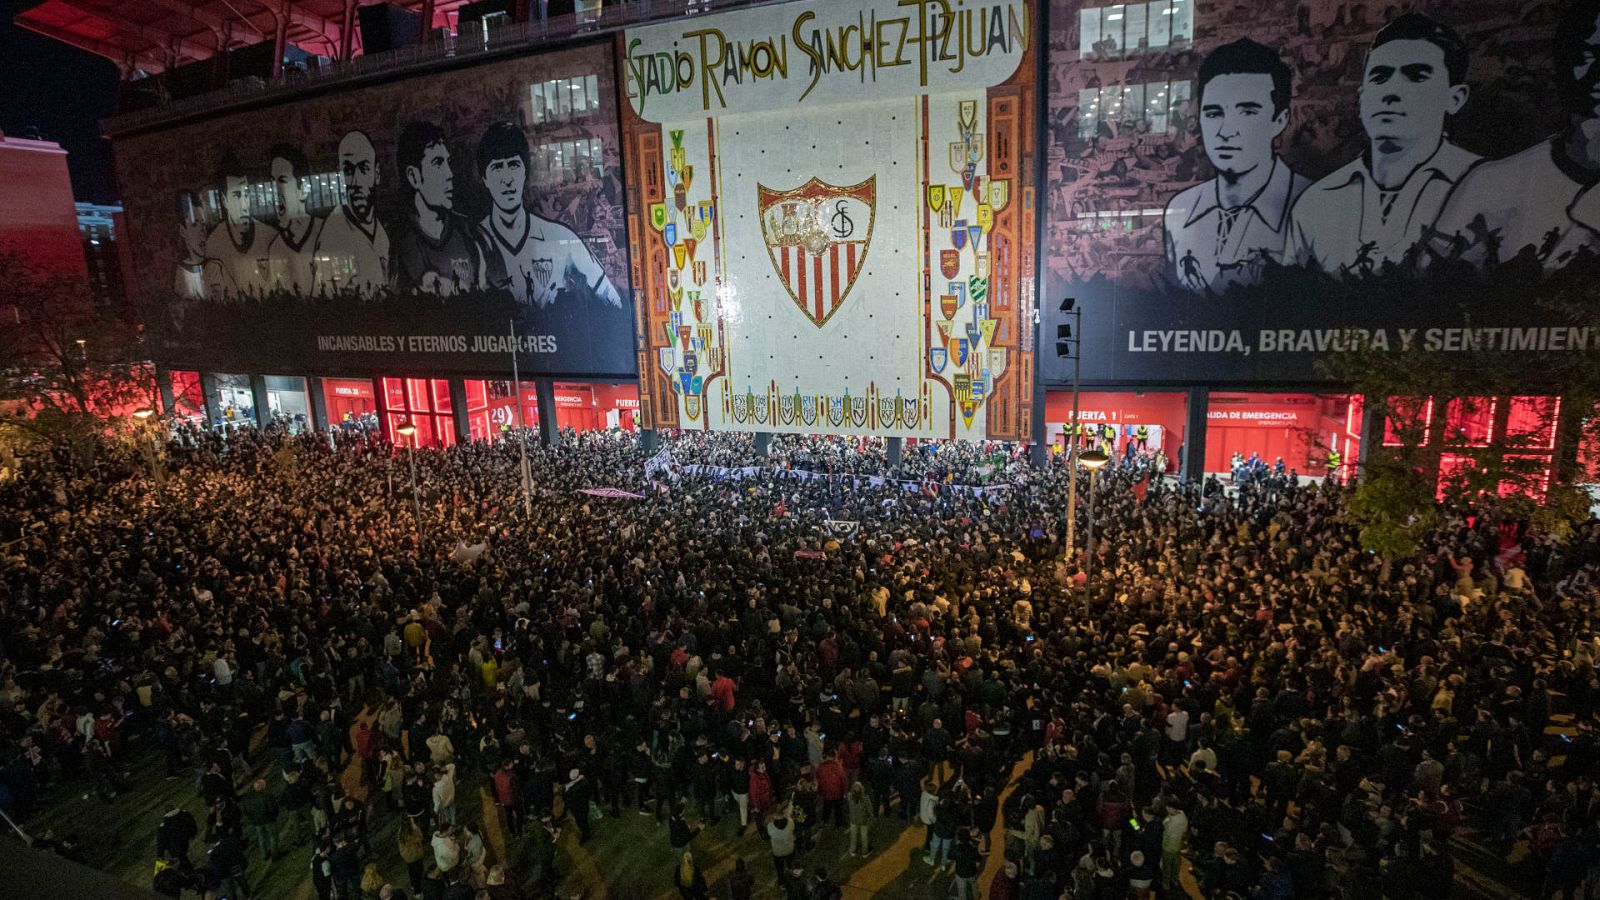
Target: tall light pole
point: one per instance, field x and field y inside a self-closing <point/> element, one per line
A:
<point x="409" y="432"/>
<point x="154" y="449"/>
<point x="1069" y="341"/>
<point x="1092" y="460"/>
<point x="522" y="429"/>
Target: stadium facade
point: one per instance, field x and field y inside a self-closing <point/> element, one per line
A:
<point x="863" y="217"/>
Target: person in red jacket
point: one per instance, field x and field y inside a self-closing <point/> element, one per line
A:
<point x="760" y="792"/>
<point x="831" y="785"/>
<point x="505" y="796"/>
<point x="722" y="688"/>
<point x="1113" y="810"/>
<point x="1007" y="885"/>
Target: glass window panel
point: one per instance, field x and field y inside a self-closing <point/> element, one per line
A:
<point x="1469" y="421"/>
<point x="1131" y="109"/>
<point x="441" y="395"/>
<point x="1133" y="28"/>
<point x="1088" y="31"/>
<point x="1111" y="39"/>
<point x="1531" y="422"/>
<point x="1160" y="24"/>
<point x="1182" y="21"/>
<point x="1180" y="108"/>
<point x="417" y="395"/>
<point x="1088" y="112"/>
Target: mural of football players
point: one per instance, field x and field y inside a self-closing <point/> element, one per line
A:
<point x="239" y="243"/>
<point x="1541" y="201"/>
<point x="532" y="257"/>
<point x="1376" y="208"/>
<point x="192" y="275"/>
<point x="1223" y="231"/>
<point x="290" y="254"/>
<point x="438" y="253"/>
<point x="353" y="248"/>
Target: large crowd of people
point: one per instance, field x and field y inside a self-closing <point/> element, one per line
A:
<point x="1241" y="702"/>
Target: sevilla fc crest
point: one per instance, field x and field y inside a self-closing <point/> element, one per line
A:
<point x="817" y="237"/>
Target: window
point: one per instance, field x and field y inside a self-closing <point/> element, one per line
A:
<point x="1109" y="32"/>
<point x="563" y="162"/>
<point x="565" y="99"/>
<point x="1127" y="110"/>
<point x="1531" y="423"/>
<point x="1469" y="421"/>
<point x="1410" y="421"/>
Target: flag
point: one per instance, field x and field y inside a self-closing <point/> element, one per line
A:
<point x="1141" y="487"/>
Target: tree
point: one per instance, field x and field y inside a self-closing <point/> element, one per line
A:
<point x="1503" y="474"/>
<point x="67" y="373"/>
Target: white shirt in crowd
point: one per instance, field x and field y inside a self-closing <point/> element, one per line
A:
<point x="1178" y="725"/>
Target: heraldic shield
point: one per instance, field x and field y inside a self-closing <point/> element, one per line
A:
<point x="817" y="237"/>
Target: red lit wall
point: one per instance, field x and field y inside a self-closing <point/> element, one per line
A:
<point x="491" y="408"/>
<point x="1169" y="410"/>
<point x="584" y="407"/>
<point x="1453" y="428"/>
<point x="425" y="403"/>
<point x="37" y="218"/>
<point x="348" y="398"/>
<point x="1299" y="428"/>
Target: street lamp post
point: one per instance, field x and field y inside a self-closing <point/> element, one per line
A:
<point x="409" y="432"/>
<point x="1092" y="460"/>
<point x="1069" y="340"/>
<point x="153" y="451"/>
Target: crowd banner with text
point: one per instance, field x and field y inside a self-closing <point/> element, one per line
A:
<point x="832" y="214"/>
<point x="397" y="226"/>
<point x="1237" y="191"/>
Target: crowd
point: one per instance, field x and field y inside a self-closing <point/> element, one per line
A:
<point x="1242" y="696"/>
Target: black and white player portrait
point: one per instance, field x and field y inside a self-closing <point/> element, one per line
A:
<point x="437" y="253"/>
<point x="189" y="282"/>
<point x="1223" y="231"/>
<point x="291" y="252"/>
<point x="1542" y="201"/>
<point x="534" y="258"/>
<point x="1377" y="208"/>
<point x="238" y="245"/>
<point x="353" y="249"/>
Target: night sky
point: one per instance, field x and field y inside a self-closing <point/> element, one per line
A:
<point x="62" y="93"/>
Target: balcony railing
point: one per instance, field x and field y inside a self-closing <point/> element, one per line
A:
<point x="443" y="46"/>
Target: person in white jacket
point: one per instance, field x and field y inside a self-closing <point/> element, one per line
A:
<point x="444" y="794"/>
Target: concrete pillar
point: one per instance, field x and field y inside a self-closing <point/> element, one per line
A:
<point x="280" y="37"/>
<point x="208" y="394"/>
<point x="318" y="401"/>
<point x="458" y="410"/>
<point x="763" y="443"/>
<point x="896" y="451"/>
<point x="169" y="406"/>
<point x="347" y="30"/>
<point x="258" y="396"/>
<point x="1192" y="467"/>
<point x="1371" y="434"/>
<point x="549" y="431"/>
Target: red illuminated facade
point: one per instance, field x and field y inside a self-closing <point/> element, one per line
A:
<point x="37" y="217"/>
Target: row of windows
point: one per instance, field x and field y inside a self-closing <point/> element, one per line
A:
<point x="564" y="161"/>
<point x="550" y="164"/>
<point x="1124" y="110"/>
<point x="565" y="99"/>
<point x="1107" y="32"/>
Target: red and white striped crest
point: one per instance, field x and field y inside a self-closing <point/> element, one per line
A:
<point x="817" y="237"/>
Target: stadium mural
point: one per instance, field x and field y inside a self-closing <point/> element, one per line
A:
<point x="832" y="212"/>
<point x="398" y="226"/>
<point x="1235" y="191"/>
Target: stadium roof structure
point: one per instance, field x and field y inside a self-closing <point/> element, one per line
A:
<point x="153" y="36"/>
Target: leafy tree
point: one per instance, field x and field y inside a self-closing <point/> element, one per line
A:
<point x="67" y="373"/>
